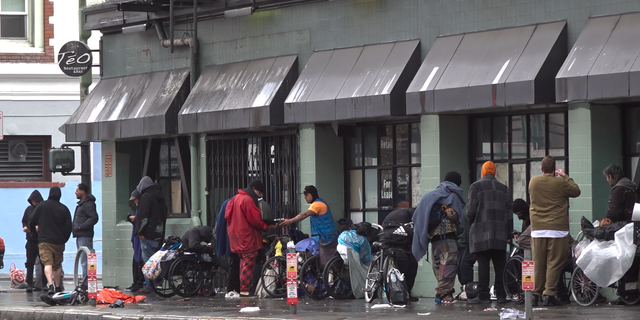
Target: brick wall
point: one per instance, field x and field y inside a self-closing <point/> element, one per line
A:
<point x="45" y="57"/>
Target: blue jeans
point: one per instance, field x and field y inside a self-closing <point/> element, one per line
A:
<point x="149" y="247"/>
<point x="84" y="242"/>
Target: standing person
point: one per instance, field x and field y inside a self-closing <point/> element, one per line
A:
<point x="32" y="238"/>
<point x="244" y="223"/>
<point x="52" y="220"/>
<point x="436" y="219"/>
<point x="136" y="263"/>
<point x="466" y="260"/>
<point x="548" y="212"/>
<point x="223" y="248"/>
<point x="490" y="225"/>
<point x="150" y="222"/>
<point x="84" y="219"/>
<point x="322" y="222"/>
<point x="622" y="198"/>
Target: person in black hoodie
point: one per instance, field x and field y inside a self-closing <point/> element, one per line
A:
<point x="84" y="218"/>
<point x="32" y="237"/>
<point x="150" y="222"/>
<point x="52" y="220"/>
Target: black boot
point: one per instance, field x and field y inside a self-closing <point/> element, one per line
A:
<point x="535" y="300"/>
<point x="47" y="297"/>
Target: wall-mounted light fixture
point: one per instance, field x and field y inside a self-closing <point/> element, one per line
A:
<point x="238" y="12"/>
<point x="137" y="28"/>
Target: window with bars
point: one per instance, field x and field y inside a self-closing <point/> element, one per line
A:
<point x="517" y="144"/>
<point x="632" y="140"/>
<point x="22" y="158"/>
<point x="14" y="19"/>
<point x="383" y="170"/>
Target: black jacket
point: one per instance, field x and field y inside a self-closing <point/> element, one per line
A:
<point x="85" y="217"/>
<point x="621" y="201"/>
<point x="193" y="238"/>
<point x="53" y="219"/>
<point x="152" y="214"/>
<point x="32" y="235"/>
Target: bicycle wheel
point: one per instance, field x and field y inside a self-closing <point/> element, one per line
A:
<point x="274" y="276"/>
<point x="512" y="278"/>
<point x="389" y="262"/>
<point x="185" y="276"/>
<point x="337" y="280"/>
<point x="310" y="279"/>
<point x="584" y="291"/>
<point x="372" y="286"/>
<point x="162" y="288"/>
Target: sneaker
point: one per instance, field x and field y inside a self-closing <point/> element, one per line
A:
<point x="477" y="300"/>
<point x="133" y="288"/>
<point x="29" y="289"/>
<point x="232" y="295"/>
<point x="413" y="299"/>
<point x="448" y="299"/>
<point x="550" y="301"/>
<point x="37" y="289"/>
<point x="145" y="290"/>
<point x="535" y="299"/>
<point x="462" y="296"/>
<point x="248" y="295"/>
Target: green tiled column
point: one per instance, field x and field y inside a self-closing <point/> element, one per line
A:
<point x="595" y="141"/>
<point x="321" y="164"/>
<point x="444" y="148"/>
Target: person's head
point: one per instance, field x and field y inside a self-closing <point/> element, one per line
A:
<point x="548" y="165"/>
<point x="310" y="194"/>
<point x="453" y="176"/>
<point x="257" y="187"/>
<point x="488" y="168"/>
<point x="82" y="190"/>
<point x="613" y="174"/>
<point x="521" y="209"/>
<point x="135" y="196"/>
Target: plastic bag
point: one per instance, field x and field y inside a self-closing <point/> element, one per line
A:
<point x="398" y="291"/>
<point x="152" y="268"/>
<point x="615" y="256"/>
<point x="577" y="251"/>
<point x="510" y="313"/>
<point x="16" y="275"/>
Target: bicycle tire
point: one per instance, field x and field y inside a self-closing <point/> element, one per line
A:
<point x="185" y="276"/>
<point x="373" y="284"/>
<point x="337" y="280"/>
<point x="389" y="262"/>
<point x="310" y="279"/>
<point x="276" y="285"/>
<point x="512" y="279"/>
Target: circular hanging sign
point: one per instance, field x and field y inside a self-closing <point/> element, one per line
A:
<point x="74" y="58"/>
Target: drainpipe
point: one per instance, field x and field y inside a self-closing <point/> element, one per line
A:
<point x="194" y="139"/>
<point x="85" y="82"/>
<point x="165" y="42"/>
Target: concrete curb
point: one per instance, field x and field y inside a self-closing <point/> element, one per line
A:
<point x="48" y="313"/>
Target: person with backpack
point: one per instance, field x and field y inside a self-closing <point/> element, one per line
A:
<point x="436" y="220"/>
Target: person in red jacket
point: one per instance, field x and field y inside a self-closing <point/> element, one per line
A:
<point x="244" y="224"/>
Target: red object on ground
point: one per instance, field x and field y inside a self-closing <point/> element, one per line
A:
<point x="108" y="296"/>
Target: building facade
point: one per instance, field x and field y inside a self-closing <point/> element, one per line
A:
<point x="371" y="101"/>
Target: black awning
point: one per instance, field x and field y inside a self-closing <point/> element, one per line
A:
<point x="603" y="63"/>
<point x="240" y="95"/>
<point x="354" y="83"/>
<point x="131" y="106"/>
<point x="496" y="68"/>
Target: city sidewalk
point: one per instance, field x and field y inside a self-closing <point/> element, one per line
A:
<point x="16" y="304"/>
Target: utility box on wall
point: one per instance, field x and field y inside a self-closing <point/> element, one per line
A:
<point x="61" y="160"/>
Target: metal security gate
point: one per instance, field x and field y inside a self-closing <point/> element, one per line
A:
<point x="234" y="162"/>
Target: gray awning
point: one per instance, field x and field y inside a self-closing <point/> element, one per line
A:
<point x="240" y="95"/>
<point x="603" y="63"/>
<point x="354" y="83"/>
<point x="497" y="68"/>
<point x="131" y="106"/>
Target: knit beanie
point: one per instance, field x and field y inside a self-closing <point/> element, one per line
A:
<point x="257" y="184"/>
<point x="488" y="168"/>
<point x="454" y="177"/>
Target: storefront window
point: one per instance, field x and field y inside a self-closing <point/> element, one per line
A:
<point x="378" y="187"/>
<point x="517" y="144"/>
<point x="632" y="139"/>
<point x="170" y="177"/>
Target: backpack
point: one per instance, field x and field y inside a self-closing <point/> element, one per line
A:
<point x="397" y="235"/>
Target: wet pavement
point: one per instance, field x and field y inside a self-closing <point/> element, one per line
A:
<point x="16" y="304"/>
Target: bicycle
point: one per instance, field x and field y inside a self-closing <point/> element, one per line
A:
<point x="274" y="270"/>
<point x="376" y="280"/>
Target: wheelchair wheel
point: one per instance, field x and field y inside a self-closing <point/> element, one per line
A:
<point x="274" y="276"/>
<point x="310" y="279"/>
<point x="512" y="279"/>
<point x="584" y="291"/>
<point x="185" y="276"/>
<point x="162" y="288"/>
<point x="337" y="280"/>
<point x="373" y="287"/>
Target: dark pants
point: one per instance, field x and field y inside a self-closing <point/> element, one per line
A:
<point x="32" y="254"/>
<point x="466" y="260"/>
<point x="234" y="275"/>
<point x="408" y="265"/>
<point x="499" y="258"/>
<point x="138" y="277"/>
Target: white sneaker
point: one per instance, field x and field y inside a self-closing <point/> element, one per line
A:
<point x="232" y="295"/>
<point x="462" y="296"/>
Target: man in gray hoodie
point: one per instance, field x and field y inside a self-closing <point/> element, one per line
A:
<point x="84" y="219"/>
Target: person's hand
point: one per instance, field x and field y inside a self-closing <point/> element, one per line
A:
<point x="286" y="222"/>
<point x="273" y="226"/>
<point x="515" y="237"/>
<point x="25" y="229"/>
<point x="141" y="237"/>
<point x="560" y="172"/>
<point x="36" y="228"/>
<point x="132" y="218"/>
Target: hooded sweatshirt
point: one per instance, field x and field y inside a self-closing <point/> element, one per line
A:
<point x="85" y="217"/>
<point x="53" y="219"/>
<point x="193" y="238"/>
<point x="152" y="211"/>
<point x="32" y="235"/>
<point x="621" y="201"/>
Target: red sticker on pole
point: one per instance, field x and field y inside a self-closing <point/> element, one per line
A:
<point x="92" y="275"/>
<point x="527" y="275"/>
<point x="292" y="278"/>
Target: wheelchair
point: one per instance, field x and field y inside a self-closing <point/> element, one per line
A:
<point x="310" y="275"/>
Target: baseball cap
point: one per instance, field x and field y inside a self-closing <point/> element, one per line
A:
<point x="135" y="194"/>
